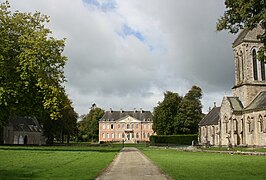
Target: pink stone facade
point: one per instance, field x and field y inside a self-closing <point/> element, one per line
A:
<point x="127" y="127"/>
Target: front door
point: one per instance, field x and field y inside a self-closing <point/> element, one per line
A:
<point x="128" y="136"/>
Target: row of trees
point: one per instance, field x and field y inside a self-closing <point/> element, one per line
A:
<point x="177" y="114"/>
<point x="32" y="73"/>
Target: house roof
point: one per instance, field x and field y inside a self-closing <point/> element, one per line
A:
<point x="116" y="115"/>
<point x="247" y="35"/>
<point x="235" y="103"/>
<point x="259" y="102"/>
<point x="211" y="118"/>
<point x="26" y="124"/>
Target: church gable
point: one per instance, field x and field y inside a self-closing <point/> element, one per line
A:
<point x="258" y="103"/>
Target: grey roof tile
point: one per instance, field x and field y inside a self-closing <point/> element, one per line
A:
<point x="211" y="118"/>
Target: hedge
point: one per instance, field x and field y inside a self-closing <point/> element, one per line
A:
<point x="185" y="139"/>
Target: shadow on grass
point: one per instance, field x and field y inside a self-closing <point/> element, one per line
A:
<point x="15" y="174"/>
<point x="68" y="149"/>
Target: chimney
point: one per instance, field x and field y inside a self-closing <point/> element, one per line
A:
<point x="214" y="104"/>
<point x="135" y="110"/>
<point x="121" y="110"/>
<point x="111" y="110"/>
<point x="141" y="110"/>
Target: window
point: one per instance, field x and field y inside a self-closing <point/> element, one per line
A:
<point x="103" y="126"/>
<point x="249" y="124"/>
<point x="137" y="126"/>
<point x="118" y="135"/>
<point x="123" y="135"/>
<point x="137" y="135"/>
<point x="112" y="126"/>
<point x="262" y="68"/>
<point x="261" y="124"/>
<point x="118" y="126"/>
<point x="149" y="126"/>
<point x="144" y="135"/>
<point x="107" y="135"/>
<point x="103" y="135"/>
<point x="123" y="126"/>
<point x="113" y="135"/>
<point x="108" y="126"/>
<point x="132" y="126"/>
<point x="128" y="126"/>
<point x="132" y="135"/>
<point x="148" y="135"/>
<point x="144" y="127"/>
<point x="255" y="68"/>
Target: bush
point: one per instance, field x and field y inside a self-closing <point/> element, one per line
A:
<point x="185" y="139"/>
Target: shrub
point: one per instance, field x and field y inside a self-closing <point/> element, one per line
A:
<point x="185" y="139"/>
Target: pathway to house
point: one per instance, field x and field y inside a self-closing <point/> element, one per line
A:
<point x="131" y="164"/>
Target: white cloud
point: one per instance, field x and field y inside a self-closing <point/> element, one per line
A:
<point x="125" y="54"/>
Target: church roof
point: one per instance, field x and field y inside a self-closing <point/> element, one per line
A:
<point x="259" y="102"/>
<point x="235" y="103"/>
<point x="116" y="115"/>
<point x="247" y="35"/>
<point x="211" y="118"/>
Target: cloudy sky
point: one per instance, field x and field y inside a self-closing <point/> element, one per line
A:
<point x="126" y="53"/>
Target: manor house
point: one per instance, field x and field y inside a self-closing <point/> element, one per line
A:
<point x="241" y="118"/>
<point x="128" y="126"/>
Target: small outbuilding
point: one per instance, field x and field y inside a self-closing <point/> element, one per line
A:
<point x="23" y="130"/>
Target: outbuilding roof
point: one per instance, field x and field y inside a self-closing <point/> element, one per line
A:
<point x="235" y="103"/>
<point x="26" y="124"/>
<point x="211" y="118"/>
<point x="116" y="115"/>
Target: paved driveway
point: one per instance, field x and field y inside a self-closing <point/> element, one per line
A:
<point x="131" y="164"/>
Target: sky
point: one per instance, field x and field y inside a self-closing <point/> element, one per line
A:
<point x="127" y="53"/>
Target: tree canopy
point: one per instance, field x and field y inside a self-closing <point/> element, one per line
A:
<point x="177" y="114"/>
<point x="89" y="125"/>
<point x="241" y="14"/>
<point x="31" y="66"/>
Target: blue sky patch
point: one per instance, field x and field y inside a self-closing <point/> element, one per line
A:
<point x="127" y="31"/>
<point x="103" y="6"/>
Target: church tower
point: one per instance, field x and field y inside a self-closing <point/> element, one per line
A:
<point x="249" y="71"/>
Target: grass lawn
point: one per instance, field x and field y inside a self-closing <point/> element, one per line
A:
<point x="202" y="165"/>
<point x="22" y="162"/>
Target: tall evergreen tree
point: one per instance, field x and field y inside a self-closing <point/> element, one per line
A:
<point x="189" y="113"/>
<point x="165" y="112"/>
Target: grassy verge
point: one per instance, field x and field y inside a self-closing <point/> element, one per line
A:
<point x="19" y="162"/>
<point x="201" y="165"/>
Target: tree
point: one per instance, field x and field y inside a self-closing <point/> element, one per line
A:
<point x="189" y="112"/>
<point x="165" y="112"/>
<point x="31" y="66"/>
<point x="241" y="14"/>
<point x="89" y="125"/>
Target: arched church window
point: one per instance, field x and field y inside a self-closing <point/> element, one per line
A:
<point x="238" y="67"/>
<point x="261" y="123"/>
<point x="226" y="124"/>
<point x="262" y="68"/>
<point x="249" y="124"/>
<point x="242" y="64"/>
<point x="255" y="68"/>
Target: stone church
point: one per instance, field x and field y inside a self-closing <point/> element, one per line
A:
<point x="241" y="118"/>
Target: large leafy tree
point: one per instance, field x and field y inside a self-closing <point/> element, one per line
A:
<point x="89" y="125"/>
<point x="189" y="113"/>
<point x="165" y="112"/>
<point x="31" y="66"/>
<point x="244" y="14"/>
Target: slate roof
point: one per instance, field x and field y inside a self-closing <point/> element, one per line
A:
<point x="211" y="118"/>
<point x="235" y="103"/>
<point x="247" y="35"/>
<point x="26" y="124"/>
<point x="259" y="102"/>
<point x="116" y="115"/>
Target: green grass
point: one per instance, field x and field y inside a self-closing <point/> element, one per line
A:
<point x="202" y="165"/>
<point x="20" y="162"/>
